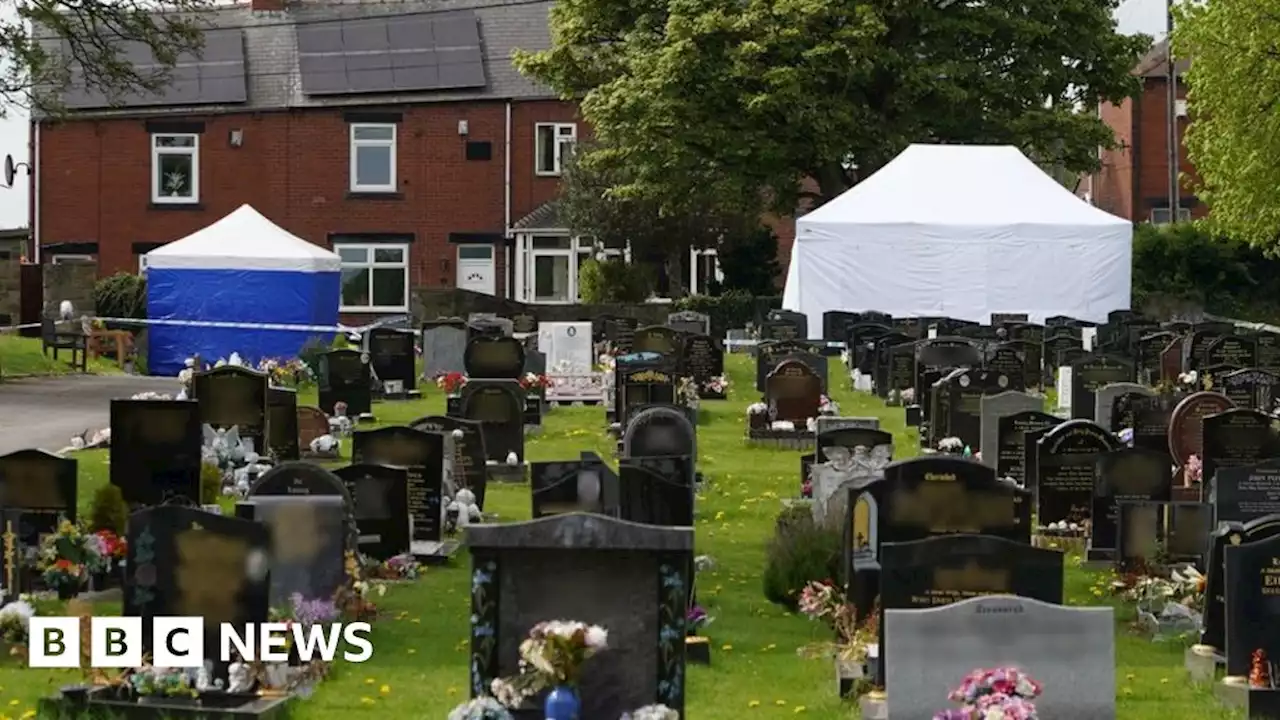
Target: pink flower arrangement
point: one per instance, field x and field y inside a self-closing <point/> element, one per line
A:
<point x="997" y="694"/>
<point x="1193" y="471"/>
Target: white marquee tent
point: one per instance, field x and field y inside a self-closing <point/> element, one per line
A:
<point x="962" y="232"/>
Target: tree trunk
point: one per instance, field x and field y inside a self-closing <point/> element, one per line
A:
<point x="831" y="181"/>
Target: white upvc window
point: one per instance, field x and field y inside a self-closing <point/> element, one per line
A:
<point x="375" y="277"/>
<point x="1160" y="216"/>
<point x="704" y="268"/>
<point x="553" y="145"/>
<point x="71" y="258"/>
<point x="373" y="157"/>
<point x="175" y="168"/>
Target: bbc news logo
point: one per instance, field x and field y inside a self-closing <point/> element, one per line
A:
<point x="178" y="642"/>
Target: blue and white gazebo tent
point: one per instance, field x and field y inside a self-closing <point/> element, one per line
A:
<point x="241" y="269"/>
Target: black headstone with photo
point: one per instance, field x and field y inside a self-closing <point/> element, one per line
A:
<point x="156" y="450"/>
<point x="393" y="359"/>
<point x="498" y="405"/>
<point x="380" y="494"/>
<point x="346" y="377"/>
<point x="1126" y="475"/>
<point x="1066" y="475"/>
<point x="190" y="563"/>
<point x="468" y="450"/>
<point x="494" y="358"/>
<point x="41" y="487"/>
<point x="282" y="424"/>
<point x="234" y="396"/>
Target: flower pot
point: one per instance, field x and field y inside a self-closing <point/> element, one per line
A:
<point x="66" y="591"/>
<point x="697" y="650"/>
<point x="562" y="704"/>
<point x="848" y="673"/>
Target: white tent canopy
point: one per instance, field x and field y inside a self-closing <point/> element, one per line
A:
<point x="243" y="240"/>
<point x="962" y="232"/>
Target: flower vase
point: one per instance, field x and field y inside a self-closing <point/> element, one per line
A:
<point x="562" y="704"/>
<point x="66" y="591"/>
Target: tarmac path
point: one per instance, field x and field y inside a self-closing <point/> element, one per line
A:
<point x="45" y="412"/>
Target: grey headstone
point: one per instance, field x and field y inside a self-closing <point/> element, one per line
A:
<point x="1071" y="650"/>
<point x="442" y="350"/>
<point x="839" y="423"/>
<point x="1105" y="398"/>
<point x="995" y="407"/>
<point x="690" y="321"/>
<point x="308" y="543"/>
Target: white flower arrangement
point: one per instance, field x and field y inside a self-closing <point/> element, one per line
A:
<point x="1126" y="436"/>
<point x="909" y="396"/>
<point x="552" y="654"/>
<point x="827" y="406"/>
<point x="1189" y="379"/>
<point x="15" y="620"/>
<point x="785" y="425"/>
<point x="717" y="384"/>
<point x="703" y="563"/>
<point x="951" y="445"/>
<point x="652" y="712"/>
<point x="757" y="409"/>
<point x="482" y="708"/>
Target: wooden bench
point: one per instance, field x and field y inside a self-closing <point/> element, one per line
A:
<point x="53" y="339"/>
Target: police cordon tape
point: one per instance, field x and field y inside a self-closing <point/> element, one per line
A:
<point x="229" y="325"/>
<point x="346" y="329"/>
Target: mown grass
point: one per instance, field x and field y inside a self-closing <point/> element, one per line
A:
<point x="22" y="357"/>
<point x="419" y="668"/>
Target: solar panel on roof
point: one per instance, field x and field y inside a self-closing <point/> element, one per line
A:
<point x="216" y="77"/>
<point x="392" y="54"/>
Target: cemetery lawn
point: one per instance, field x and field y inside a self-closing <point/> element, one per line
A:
<point x="420" y="662"/>
<point x="22" y="357"/>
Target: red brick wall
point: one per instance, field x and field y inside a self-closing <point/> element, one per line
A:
<point x="1142" y="125"/>
<point x="1113" y="184"/>
<point x="293" y="168"/>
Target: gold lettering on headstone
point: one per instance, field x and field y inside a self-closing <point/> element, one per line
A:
<point x="1271" y="578"/>
<point x="10" y="558"/>
<point x="210" y="574"/>
<point x="650" y="376"/>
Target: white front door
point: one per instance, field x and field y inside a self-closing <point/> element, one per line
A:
<point x="476" y="270"/>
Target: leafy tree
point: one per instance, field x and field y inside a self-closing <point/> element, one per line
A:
<point x="94" y="48"/>
<point x="749" y="261"/>
<point x="723" y="96"/>
<point x="590" y="205"/>
<point x="1235" y="95"/>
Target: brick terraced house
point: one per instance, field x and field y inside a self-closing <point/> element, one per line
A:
<point x="1134" y="180"/>
<point x="398" y="134"/>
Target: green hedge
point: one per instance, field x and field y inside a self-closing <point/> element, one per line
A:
<point x="1183" y="268"/>
<point x="121" y="296"/>
<point x="733" y="309"/>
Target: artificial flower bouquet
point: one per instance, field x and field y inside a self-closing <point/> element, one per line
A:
<point x="551" y="656"/>
<point x="285" y="373"/>
<point x="1192" y="471"/>
<point x="113" y="547"/>
<point x="652" y="712"/>
<point x="533" y="382"/>
<point x="400" y="567"/>
<point x="163" y="682"/>
<point x="451" y="383"/>
<point x="15" y="621"/>
<point x="482" y="708"/>
<point x="696" y="619"/>
<point x="997" y="694"/>
<point x="67" y="557"/>
<point x="718" y="385"/>
<point x="824" y="602"/>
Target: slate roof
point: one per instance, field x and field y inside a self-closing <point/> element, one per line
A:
<point x="271" y="53"/>
<point x="544" y="217"/>
<point x="1155" y="63"/>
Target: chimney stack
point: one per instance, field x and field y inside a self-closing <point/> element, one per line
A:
<point x="267" y="5"/>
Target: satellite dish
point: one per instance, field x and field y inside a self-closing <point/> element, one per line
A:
<point x="10" y="170"/>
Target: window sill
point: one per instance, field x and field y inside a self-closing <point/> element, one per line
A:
<point x="176" y="206"/>
<point x="374" y="195"/>
<point x="541" y="174"/>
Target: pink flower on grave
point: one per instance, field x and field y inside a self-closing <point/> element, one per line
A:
<point x="1193" y="471"/>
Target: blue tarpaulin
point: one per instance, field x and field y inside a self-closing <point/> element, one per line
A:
<point x="241" y="269"/>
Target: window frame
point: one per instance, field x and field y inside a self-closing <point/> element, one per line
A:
<point x="158" y="152"/>
<point x="353" y="147"/>
<point x="695" y="282"/>
<point x="1184" y="215"/>
<point x="557" y="149"/>
<point x="370" y="264"/>
<point x="61" y="258"/>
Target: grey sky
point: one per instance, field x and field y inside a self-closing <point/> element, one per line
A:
<point x="1134" y="16"/>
